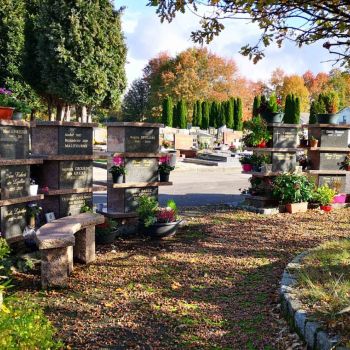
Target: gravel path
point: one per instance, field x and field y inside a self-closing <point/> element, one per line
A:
<point x="213" y="286"/>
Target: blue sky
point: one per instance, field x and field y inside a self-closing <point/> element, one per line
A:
<point x="146" y="37"/>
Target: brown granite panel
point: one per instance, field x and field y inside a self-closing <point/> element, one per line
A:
<point x="71" y="204"/>
<point x="44" y="140"/>
<point x="14" y="142"/>
<point x="51" y="204"/>
<point x="46" y="175"/>
<point x="116" y="139"/>
<point x="14" y="181"/>
<point x="13" y="220"/>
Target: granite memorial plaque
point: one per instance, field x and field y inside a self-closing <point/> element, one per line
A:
<point x="75" y="174"/>
<point x="337" y="182"/>
<point x="75" y="141"/>
<point x="13" y="220"/>
<point x="331" y="160"/>
<point x="334" y="138"/>
<point x="285" y="137"/>
<point x="141" y="169"/>
<point x="15" y="181"/>
<point x="144" y="140"/>
<point x="14" y="142"/>
<point x="283" y="161"/>
<point x="71" y="204"/>
<point x="132" y="195"/>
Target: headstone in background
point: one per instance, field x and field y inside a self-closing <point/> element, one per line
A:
<point x="184" y="141"/>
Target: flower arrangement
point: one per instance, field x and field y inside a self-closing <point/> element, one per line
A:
<point x="8" y="100"/>
<point x="164" y="165"/>
<point x="117" y="169"/>
<point x="256" y="132"/>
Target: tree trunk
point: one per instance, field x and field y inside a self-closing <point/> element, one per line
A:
<point x="59" y="112"/>
<point x="89" y="115"/>
<point x="83" y="114"/>
<point x="67" y="113"/>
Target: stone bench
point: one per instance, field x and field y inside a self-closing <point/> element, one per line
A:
<point x="61" y="241"/>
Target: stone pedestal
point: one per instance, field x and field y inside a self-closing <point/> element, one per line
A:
<point x="84" y="249"/>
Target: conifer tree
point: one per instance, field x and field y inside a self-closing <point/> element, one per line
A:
<point x="199" y="114"/>
<point x="182" y="114"/>
<point x="288" y="110"/>
<point x="206" y="114"/>
<point x="313" y="113"/>
<point x="296" y="111"/>
<point x="256" y="106"/>
<point x="239" y="115"/>
<point x="176" y="119"/>
<point x="213" y="114"/>
<point x="167" y="112"/>
<point x="194" y="115"/>
<point x="221" y="115"/>
<point x="230" y="114"/>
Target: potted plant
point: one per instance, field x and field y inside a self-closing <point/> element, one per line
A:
<point x="118" y="170"/>
<point x="345" y="164"/>
<point x="33" y="188"/>
<point x="156" y="221"/>
<point x="271" y="109"/>
<point x="294" y="191"/>
<point x="339" y="197"/>
<point x="33" y="211"/>
<point x="6" y="104"/>
<point x="165" y="168"/>
<point x="257" y="134"/>
<point x="20" y="109"/>
<point x="324" y="195"/>
<point x="106" y="233"/>
<point x="258" y="160"/>
<point x="327" y="107"/>
<point x="313" y="142"/>
<point x="246" y="162"/>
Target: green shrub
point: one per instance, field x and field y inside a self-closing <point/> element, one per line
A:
<point x="257" y="132"/>
<point x="292" y="188"/>
<point x="24" y="326"/>
<point x="324" y="195"/>
<point x="147" y="208"/>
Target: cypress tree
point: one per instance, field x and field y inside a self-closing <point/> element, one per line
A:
<point x="273" y="103"/>
<point x="221" y="120"/>
<point x="230" y="114"/>
<point x="182" y="114"/>
<point x="213" y="114"/>
<point x="176" y="119"/>
<point x="206" y="113"/>
<point x="313" y="113"/>
<point x="199" y="115"/>
<point x="167" y="112"/>
<point x="296" y="110"/>
<point x="288" y="110"/>
<point x="194" y="115"/>
<point x="239" y="115"/>
<point x="256" y="106"/>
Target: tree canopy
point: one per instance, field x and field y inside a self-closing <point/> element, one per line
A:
<point x="305" y="22"/>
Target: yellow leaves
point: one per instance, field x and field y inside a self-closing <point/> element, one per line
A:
<point x="175" y="285"/>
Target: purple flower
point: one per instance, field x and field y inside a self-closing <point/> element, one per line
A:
<point x="3" y="91"/>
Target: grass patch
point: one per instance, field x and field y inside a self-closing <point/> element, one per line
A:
<point x="324" y="284"/>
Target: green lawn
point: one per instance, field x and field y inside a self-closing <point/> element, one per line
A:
<point x="213" y="286"/>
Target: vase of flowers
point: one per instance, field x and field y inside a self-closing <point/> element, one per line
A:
<point x="6" y="108"/>
<point x="33" y="211"/>
<point x="118" y="170"/>
<point x="165" y="168"/>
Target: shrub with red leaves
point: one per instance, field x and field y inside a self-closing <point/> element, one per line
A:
<point x="166" y="215"/>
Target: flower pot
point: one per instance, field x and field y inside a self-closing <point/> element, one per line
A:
<point x="339" y="198"/>
<point x="296" y="207"/>
<point x="303" y="143"/>
<point x="106" y="237"/>
<point x="313" y="143"/>
<point x="266" y="168"/>
<point x="6" y="113"/>
<point x="274" y="117"/>
<point x="17" y="116"/>
<point x="118" y="178"/>
<point x="159" y="230"/>
<point x="31" y="222"/>
<point x="33" y="190"/>
<point x="257" y="168"/>
<point x="326" y="208"/>
<point x="164" y="177"/>
<point x="247" y="167"/>
<point x="327" y="118"/>
<point x="262" y="144"/>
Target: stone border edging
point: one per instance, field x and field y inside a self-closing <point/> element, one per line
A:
<point x="310" y="331"/>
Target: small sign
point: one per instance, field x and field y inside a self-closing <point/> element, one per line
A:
<point x="50" y="217"/>
<point x="75" y="141"/>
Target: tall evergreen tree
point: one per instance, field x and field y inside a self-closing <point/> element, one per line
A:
<point x="239" y="115"/>
<point x="199" y="113"/>
<point x="288" y="110"/>
<point x="230" y="114"/>
<point x="214" y="110"/>
<point x="221" y="120"/>
<point x="273" y="106"/>
<point x="83" y="41"/>
<point x="194" y="115"/>
<point x="256" y="106"/>
<point x="176" y="118"/>
<point x="296" y="111"/>
<point x="167" y="112"/>
<point x="206" y="115"/>
<point x="182" y="114"/>
<point x="313" y="113"/>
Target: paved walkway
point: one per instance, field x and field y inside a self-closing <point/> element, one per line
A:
<point x="195" y="185"/>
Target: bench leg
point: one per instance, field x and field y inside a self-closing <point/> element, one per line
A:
<point x="70" y="259"/>
<point x="54" y="267"/>
<point x="84" y="249"/>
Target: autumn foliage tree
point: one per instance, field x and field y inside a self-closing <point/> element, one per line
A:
<point x="294" y="84"/>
